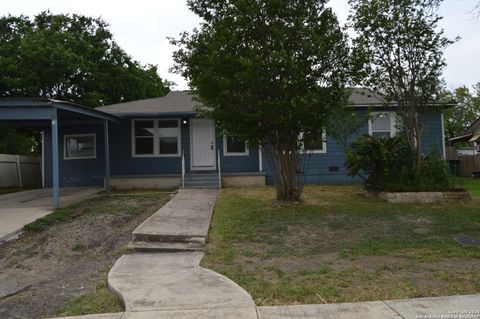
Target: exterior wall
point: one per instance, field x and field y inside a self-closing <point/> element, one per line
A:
<point x="238" y="163"/>
<point x="145" y="182"/>
<point x="90" y="172"/>
<point x="318" y="169"/>
<point x="76" y="172"/>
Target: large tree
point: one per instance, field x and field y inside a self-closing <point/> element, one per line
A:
<point x="467" y="110"/>
<point x="68" y="57"/>
<point x="403" y="46"/>
<point x="270" y="72"/>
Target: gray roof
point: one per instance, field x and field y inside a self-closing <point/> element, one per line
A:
<point x="181" y="102"/>
<point x="175" y="102"/>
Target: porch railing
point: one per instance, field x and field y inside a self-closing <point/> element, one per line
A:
<point x="183" y="169"/>
<point x="219" y="169"/>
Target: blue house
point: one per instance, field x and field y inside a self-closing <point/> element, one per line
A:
<point x="161" y="142"/>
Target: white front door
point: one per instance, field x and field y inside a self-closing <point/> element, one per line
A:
<point x="203" y="144"/>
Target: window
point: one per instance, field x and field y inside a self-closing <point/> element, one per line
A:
<point x="382" y="124"/>
<point x="156" y="138"/>
<point x="234" y="146"/>
<point x="314" y="144"/>
<point x="80" y="146"/>
<point x="144" y="137"/>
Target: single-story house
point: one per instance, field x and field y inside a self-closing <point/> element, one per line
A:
<point x="161" y="142"/>
<point x="154" y="136"/>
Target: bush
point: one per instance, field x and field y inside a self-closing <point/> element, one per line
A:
<point x="386" y="165"/>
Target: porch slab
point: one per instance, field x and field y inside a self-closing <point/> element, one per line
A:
<point x="22" y="208"/>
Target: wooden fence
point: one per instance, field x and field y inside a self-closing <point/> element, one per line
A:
<point x="20" y="171"/>
<point x="468" y="165"/>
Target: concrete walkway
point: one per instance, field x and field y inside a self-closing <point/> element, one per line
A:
<point x="168" y="284"/>
<point x="21" y="208"/>
<point x="175" y="282"/>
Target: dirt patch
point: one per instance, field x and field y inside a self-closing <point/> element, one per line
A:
<point x="70" y="258"/>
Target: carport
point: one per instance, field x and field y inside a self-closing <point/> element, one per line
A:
<point x="50" y="114"/>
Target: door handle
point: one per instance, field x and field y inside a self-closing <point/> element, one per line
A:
<point x="211" y="146"/>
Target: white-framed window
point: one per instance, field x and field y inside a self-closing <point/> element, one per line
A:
<point x="382" y="124"/>
<point x="80" y="146"/>
<point x="314" y="144"/>
<point x="156" y="137"/>
<point x="234" y="146"/>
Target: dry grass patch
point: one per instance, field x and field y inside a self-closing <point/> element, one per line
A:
<point x="340" y="245"/>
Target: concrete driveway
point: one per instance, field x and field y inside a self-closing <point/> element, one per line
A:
<point x="19" y="209"/>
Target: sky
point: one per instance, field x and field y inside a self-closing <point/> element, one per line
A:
<point x="141" y="28"/>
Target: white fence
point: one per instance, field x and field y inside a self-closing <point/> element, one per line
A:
<point x="20" y="171"/>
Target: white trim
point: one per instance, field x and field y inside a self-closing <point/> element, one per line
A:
<point x="260" y="159"/>
<point x="156" y="138"/>
<point x="226" y="153"/>
<point x="324" y="145"/>
<point x="202" y="168"/>
<point x="393" y="122"/>
<point x="66" y="136"/>
<point x="43" y="158"/>
<point x="444" y="152"/>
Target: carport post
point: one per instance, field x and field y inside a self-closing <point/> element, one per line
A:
<point x="107" y="157"/>
<point x="55" y="184"/>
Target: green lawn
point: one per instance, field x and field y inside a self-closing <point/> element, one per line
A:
<point x="340" y="245"/>
<point x="472" y="185"/>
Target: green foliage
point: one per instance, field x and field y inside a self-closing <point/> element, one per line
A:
<point x="345" y="123"/>
<point x="67" y="57"/>
<point x="267" y="70"/>
<point x="467" y="110"/>
<point x="386" y="164"/>
<point x="70" y="57"/>
<point x="21" y="142"/>
<point x="402" y="46"/>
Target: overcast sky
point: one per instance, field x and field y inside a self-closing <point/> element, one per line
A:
<point x="140" y="27"/>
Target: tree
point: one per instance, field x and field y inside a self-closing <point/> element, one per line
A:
<point x="270" y="72"/>
<point x="467" y="110"/>
<point x="69" y="57"/>
<point x="403" y="47"/>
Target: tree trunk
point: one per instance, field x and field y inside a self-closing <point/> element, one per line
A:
<point x="284" y="162"/>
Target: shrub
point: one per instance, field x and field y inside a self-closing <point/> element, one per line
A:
<point x="385" y="165"/>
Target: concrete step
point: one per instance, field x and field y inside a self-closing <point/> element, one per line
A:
<point x="201" y="176"/>
<point x="202" y="181"/>
<point x="168" y="238"/>
<point x="201" y="187"/>
<point x="149" y="246"/>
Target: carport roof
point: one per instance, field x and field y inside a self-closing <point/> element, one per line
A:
<point x="28" y="109"/>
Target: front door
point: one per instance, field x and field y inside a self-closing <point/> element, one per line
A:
<point x="203" y="144"/>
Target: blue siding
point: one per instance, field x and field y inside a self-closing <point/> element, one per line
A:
<point x="238" y="163"/>
<point x="89" y="172"/>
<point x="318" y="166"/>
<point x="76" y="172"/>
<point x="123" y="163"/>
<point x="432" y="135"/>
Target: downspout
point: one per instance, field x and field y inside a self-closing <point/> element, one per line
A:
<point x="42" y="134"/>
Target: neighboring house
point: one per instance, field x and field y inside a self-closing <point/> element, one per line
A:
<point x="152" y="137"/>
<point x="471" y="135"/>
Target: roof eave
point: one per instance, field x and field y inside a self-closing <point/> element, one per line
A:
<point x="153" y="114"/>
